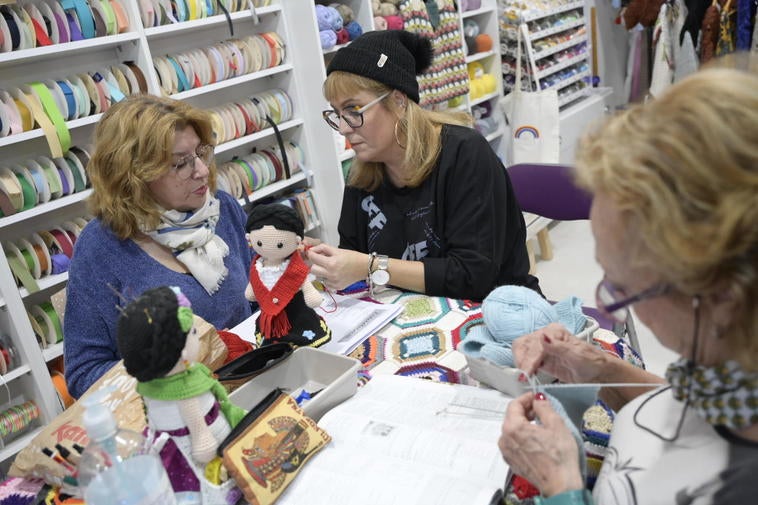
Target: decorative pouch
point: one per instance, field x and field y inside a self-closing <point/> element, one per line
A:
<point x="252" y="363"/>
<point x="269" y="446"/>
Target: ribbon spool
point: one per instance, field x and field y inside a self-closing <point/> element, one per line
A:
<point x="18" y="418"/>
<point x="59" y="382"/>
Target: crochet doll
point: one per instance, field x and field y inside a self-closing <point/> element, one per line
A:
<point x="279" y="280"/>
<point x="160" y="345"/>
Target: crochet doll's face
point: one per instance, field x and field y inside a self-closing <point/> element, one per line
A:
<point x="273" y="244"/>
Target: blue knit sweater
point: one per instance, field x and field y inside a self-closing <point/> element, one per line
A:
<point x="103" y="266"/>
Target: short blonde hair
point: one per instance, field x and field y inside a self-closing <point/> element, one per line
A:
<point x="133" y="146"/>
<point x="683" y="169"/>
<point x="417" y="131"/>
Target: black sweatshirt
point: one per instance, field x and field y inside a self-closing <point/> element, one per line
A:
<point x="463" y="222"/>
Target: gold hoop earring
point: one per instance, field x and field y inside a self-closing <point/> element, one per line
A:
<point x="397" y="138"/>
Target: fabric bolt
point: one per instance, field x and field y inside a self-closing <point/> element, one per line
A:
<point x="105" y="268"/>
<point x="469" y="240"/>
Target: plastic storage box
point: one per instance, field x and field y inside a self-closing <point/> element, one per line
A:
<point x="335" y="377"/>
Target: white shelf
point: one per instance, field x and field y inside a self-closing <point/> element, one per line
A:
<point x="266" y="132"/>
<point x="560" y="47"/>
<point x="53" y="351"/>
<point x="496" y="134"/>
<point x="551" y="12"/>
<point x="484" y="98"/>
<point x="37" y="133"/>
<point x="46" y="282"/>
<point x="348" y="154"/>
<point x="45" y="208"/>
<point x="567" y="99"/>
<point x="274" y="188"/>
<point x="555" y="29"/>
<point x="561" y="65"/>
<point x="241" y="79"/>
<point x="61" y="50"/>
<point x="570" y="80"/>
<point x="476" y="12"/>
<point x="479" y="56"/>
<point x="335" y="48"/>
<point x="158" y="31"/>
<point x="16" y="373"/>
<point x="11" y="449"/>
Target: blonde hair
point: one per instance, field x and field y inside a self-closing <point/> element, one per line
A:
<point x="417" y="131"/>
<point x="133" y="146"/>
<point x="683" y="169"/>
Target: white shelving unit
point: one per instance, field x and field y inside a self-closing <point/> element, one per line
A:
<point x="301" y="69"/>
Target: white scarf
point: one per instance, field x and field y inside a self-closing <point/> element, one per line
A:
<point x="192" y="237"/>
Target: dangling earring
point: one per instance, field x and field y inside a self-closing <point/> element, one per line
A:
<point x="397" y="138"/>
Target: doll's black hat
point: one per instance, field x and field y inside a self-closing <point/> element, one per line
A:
<point x="392" y="57"/>
<point x="150" y="338"/>
<point x="277" y="215"/>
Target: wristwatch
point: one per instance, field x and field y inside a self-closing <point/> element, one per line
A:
<point x="380" y="276"/>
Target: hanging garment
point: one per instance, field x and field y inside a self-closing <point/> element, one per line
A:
<point x="745" y="15"/>
<point x="754" y="45"/>
<point x="663" y="51"/>
<point x="711" y="22"/>
<point x="727" y="29"/>
<point x="694" y="21"/>
<point x="685" y="57"/>
<point x="447" y="76"/>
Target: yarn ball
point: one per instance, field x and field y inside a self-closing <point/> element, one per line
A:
<point x="322" y="18"/>
<point x="380" y="23"/>
<point x="512" y="311"/>
<point x="345" y="11"/>
<point x="328" y="39"/>
<point x="396" y="3"/>
<point x="353" y="29"/>
<point x="483" y="42"/>
<point x="375" y="7"/>
<point x="471" y="47"/>
<point x="394" y="22"/>
<point x="470" y="28"/>
<point x="342" y="36"/>
<point x="470" y="5"/>
<point x="387" y="9"/>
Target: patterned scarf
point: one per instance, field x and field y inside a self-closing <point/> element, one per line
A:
<point x="192" y="237"/>
<point x="723" y="395"/>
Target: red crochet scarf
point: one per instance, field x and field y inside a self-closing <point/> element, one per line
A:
<point x="273" y="321"/>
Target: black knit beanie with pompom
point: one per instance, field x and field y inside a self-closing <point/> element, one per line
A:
<point x="392" y="57"/>
<point x="150" y="338"/>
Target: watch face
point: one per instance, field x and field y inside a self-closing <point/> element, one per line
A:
<point x="380" y="277"/>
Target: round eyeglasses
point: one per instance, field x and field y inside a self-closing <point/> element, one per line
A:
<point x="185" y="166"/>
<point x="613" y="303"/>
<point x="353" y="116"/>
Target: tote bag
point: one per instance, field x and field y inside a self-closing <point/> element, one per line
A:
<point x="533" y="117"/>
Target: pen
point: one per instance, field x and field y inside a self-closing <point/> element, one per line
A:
<point x="58" y="459"/>
<point x="67" y="455"/>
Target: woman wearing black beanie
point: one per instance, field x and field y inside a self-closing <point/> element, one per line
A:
<point x="428" y="206"/>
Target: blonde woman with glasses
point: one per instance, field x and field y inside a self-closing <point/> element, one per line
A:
<point x="159" y="220"/>
<point x="675" y="219"/>
<point x="428" y="206"/>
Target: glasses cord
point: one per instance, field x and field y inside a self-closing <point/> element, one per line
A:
<point x="690" y="368"/>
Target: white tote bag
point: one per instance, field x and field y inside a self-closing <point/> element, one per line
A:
<point x="533" y="117"/>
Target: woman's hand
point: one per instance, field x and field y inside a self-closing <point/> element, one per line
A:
<point x="337" y="268"/>
<point x="554" y="350"/>
<point x="545" y="454"/>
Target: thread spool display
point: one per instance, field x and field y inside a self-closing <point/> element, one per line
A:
<point x="16" y="420"/>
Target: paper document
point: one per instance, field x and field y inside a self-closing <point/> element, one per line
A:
<point x="351" y="320"/>
<point x="406" y="441"/>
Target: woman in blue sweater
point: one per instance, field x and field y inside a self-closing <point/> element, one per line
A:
<point x="158" y="221"/>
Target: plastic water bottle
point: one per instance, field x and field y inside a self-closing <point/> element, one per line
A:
<point x="116" y="467"/>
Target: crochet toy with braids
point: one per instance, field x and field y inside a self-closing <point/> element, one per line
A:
<point x="160" y="345"/>
<point x="279" y="280"/>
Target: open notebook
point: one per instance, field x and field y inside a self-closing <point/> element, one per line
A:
<point x="405" y="441"/>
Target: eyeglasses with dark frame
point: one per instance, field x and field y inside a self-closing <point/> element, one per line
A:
<point x="353" y="116"/>
<point x="610" y="302"/>
<point x="185" y="166"/>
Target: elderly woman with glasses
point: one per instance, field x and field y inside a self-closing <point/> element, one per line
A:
<point x="428" y="206"/>
<point x="675" y="220"/>
<point x="159" y="220"/>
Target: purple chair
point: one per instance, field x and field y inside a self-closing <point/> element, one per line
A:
<point x="549" y="191"/>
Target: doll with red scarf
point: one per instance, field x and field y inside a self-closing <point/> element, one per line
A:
<point x="279" y="280"/>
